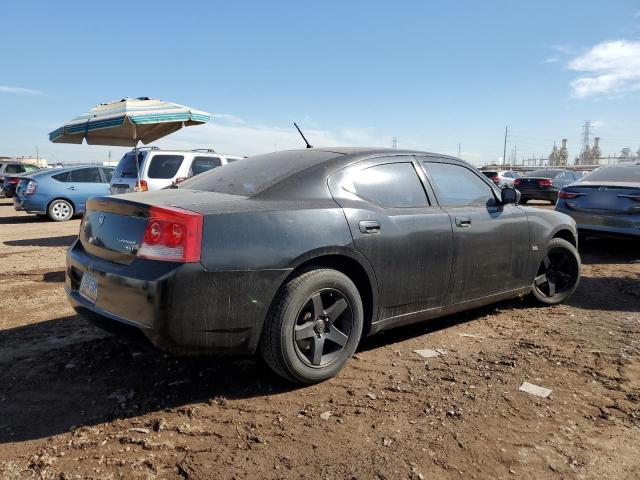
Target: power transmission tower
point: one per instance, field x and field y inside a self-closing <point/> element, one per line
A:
<point x="585" y="150"/>
<point x="395" y="143"/>
<point x="504" y="152"/>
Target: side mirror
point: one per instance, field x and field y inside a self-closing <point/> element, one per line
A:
<point x="510" y="195"/>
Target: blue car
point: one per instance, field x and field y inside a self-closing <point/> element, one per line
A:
<point x="61" y="193"/>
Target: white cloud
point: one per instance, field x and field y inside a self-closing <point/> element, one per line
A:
<point x="551" y="60"/>
<point x="19" y="90"/>
<point x="608" y="68"/>
<point x="240" y="138"/>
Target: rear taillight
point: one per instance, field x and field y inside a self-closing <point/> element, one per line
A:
<point x="31" y="188"/>
<point x="14" y="181"/>
<point x="172" y="234"/>
<point x="545" y="182"/>
<point x="565" y="194"/>
<point x="495" y="179"/>
<point x="141" y="186"/>
<point x="516" y="182"/>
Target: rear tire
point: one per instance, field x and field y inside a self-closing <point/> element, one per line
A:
<point x="558" y="275"/>
<point x="60" y="210"/>
<point x="313" y="326"/>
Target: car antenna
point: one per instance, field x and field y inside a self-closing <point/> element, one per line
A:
<point x="302" y="135"/>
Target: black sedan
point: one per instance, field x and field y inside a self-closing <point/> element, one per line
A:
<point x="299" y="254"/>
<point x="544" y="184"/>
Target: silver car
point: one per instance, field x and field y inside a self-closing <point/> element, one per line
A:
<point x="606" y="201"/>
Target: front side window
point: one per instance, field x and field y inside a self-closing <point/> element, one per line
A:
<point x="164" y="166"/>
<point x="456" y="185"/>
<point x="86" y="175"/>
<point x="203" y="164"/>
<point x="394" y="185"/>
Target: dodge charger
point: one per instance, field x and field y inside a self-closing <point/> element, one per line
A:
<point x="297" y="255"/>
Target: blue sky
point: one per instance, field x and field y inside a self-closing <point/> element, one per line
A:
<point x="433" y="74"/>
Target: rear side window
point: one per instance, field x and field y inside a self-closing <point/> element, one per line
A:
<point x="202" y="164"/>
<point x="456" y="185"/>
<point x="14" y="169"/>
<point x="164" y="166"/>
<point x="85" y="175"/>
<point x="390" y="185"/>
<point x="614" y="174"/>
<point x="61" y="177"/>
<point x="127" y="166"/>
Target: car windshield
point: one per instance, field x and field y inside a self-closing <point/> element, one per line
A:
<point x="127" y="165"/>
<point x="544" y="173"/>
<point x="614" y="174"/>
<point x="254" y="175"/>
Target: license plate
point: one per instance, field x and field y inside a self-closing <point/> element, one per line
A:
<point x="89" y="287"/>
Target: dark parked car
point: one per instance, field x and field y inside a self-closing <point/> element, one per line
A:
<point x="14" y="168"/>
<point x="606" y="201"/>
<point x="544" y="184"/>
<point x="11" y="183"/>
<point x="298" y="254"/>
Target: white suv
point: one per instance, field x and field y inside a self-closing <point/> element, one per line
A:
<point x="157" y="169"/>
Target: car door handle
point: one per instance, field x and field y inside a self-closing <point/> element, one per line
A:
<point x="463" y="222"/>
<point x="71" y="188"/>
<point x="369" y="226"/>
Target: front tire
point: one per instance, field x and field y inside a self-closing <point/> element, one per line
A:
<point x="60" y="210"/>
<point x="313" y="327"/>
<point x="558" y="274"/>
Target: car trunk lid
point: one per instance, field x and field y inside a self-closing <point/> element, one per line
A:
<point x="613" y="197"/>
<point x="113" y="227"/>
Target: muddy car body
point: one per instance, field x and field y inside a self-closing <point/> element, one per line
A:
<point x="298" y="254"/>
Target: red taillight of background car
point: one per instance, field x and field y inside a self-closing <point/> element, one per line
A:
<point x="172" y="234"/>
<point x="545" y="182"/>
<point x="31" y="188"/>
<point x="565" y="194"/>
<point x="495" y="179"/>
<point x="141" y="186"/>
<point x="517" y="182"/>
<point x="14" y="181"/>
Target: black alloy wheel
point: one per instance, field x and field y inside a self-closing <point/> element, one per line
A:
<point x="559" y="273"/>
<point x="323" y="327"/>
<point x="313" y="326"/>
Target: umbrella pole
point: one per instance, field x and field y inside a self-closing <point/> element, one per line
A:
<point x="135" y="155"/>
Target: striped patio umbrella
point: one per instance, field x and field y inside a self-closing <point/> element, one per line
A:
<point x="127" y="122"/>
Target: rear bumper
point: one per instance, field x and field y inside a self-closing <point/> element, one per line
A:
<point x="29" y="204"/>
<point x="604" y="224"/>
<point x="181" y="308"/>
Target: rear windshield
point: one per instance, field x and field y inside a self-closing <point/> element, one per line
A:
<point x="544" y="173"/>
<point x="614" y="174"/>
<point x="164" y="166"/>
<point x="127" y="166"/>
<point x="255" y="174"/>
<point x="490" y="174"/>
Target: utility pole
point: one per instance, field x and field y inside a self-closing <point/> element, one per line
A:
<point x="459" y="148"/>
<point x="504" y="153"/>
<point x="395" y="143"/>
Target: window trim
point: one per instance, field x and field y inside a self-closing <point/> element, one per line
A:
<point x="483" y="178"/>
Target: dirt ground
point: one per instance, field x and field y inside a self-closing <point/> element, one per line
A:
<point x="76" y="403"/>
